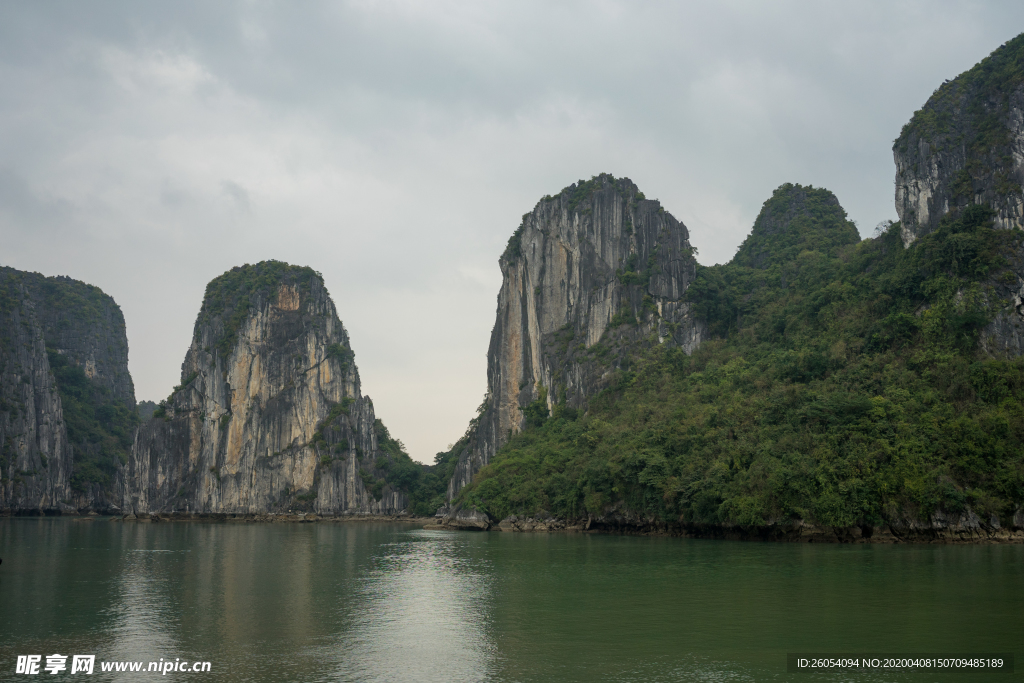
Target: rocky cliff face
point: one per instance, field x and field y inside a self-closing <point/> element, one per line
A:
<point x="64" y="343"/>
<point x="269" y="414"/>
<point x="35" y="457"/>
<point x="594" y="271"/>
<point x="966" y="146"/>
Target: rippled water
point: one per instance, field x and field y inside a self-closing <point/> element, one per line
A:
<point x="390" y="602"/>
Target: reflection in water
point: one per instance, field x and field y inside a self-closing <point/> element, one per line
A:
<point x="389" y="602"/>
<point x="422" y="613"/>
<point x="143" y="614"/>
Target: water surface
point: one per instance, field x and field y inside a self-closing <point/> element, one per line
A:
<point x="392" y="602"/>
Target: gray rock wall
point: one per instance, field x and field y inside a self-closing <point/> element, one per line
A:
<point x="35" y="457"/>
<point x="939" y="170"/>
<point x="589" y="273"/>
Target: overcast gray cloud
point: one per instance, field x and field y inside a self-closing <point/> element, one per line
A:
<point x="148" y="147"/>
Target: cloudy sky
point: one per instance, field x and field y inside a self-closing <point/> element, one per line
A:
<point x="147" y="147"/>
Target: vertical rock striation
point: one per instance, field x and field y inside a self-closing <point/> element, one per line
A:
<point x="594" y="271"/>
<point x="269" y="414"/>
<point x="35" y="457"/>
<point x="964" y="147"/>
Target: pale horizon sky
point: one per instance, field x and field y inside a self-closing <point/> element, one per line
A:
<point x="148" y="147"/>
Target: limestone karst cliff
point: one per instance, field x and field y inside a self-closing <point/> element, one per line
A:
<point x="67" y="415"/>
<point x="35" y="460"/>
<point x="965" y="146"/>
<point x="590" y="273"/>
<point x="269" y="415"/>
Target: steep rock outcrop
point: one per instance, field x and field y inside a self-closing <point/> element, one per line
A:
<point x="964" y="147"/>
<point x="35" y="456"/>
<point x="590" y="273"/>
<point x="269" y="414"/>
<point x="87" y="327"/>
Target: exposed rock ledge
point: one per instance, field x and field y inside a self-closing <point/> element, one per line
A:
<point x="467" y="520"/>
<point x="941" y="528"/>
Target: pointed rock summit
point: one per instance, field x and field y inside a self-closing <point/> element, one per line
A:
<point x="795" y="219"/>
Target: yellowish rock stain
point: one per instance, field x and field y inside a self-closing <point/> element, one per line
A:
<point x="287" y="298"/>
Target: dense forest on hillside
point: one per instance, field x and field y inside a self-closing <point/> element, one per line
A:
<point x="843" y="383"/>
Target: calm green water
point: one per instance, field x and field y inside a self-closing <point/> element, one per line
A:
<point x="380" y="602"/>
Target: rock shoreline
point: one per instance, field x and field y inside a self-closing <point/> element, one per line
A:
<point x="272" y="517"/>
<point x="966" y="528"/>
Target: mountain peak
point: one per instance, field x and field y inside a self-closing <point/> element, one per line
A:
<point x="795" y="218"/>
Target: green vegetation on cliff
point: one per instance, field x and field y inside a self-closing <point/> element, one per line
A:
<point x="232" y="296"/>
<point x="980" y="92"/>
<point x="843" y="384"/>
<point x="972" y="113"/>
<point x="794" y="220"/>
